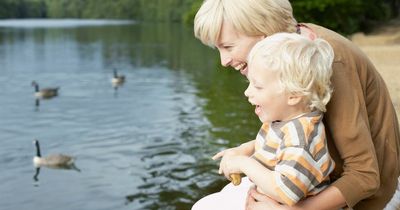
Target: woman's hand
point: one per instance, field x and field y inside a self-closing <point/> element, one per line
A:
<point x="258" y="201"/>
<point x="330" y="198"/>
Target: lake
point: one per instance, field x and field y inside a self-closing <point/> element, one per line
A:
<point x="144" y="145"/>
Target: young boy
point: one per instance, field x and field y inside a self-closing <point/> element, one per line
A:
<point x="289" y="85"/>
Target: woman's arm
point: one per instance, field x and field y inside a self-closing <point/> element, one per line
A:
<point x="329" y="199"/>
<point x="354" y="120"/>
<point x="348" y="127"/>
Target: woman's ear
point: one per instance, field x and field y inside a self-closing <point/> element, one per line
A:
<point x="294" y="99"/>
<point x="262" y="37"/>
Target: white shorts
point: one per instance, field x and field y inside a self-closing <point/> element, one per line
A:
<point x="230" y="197"/>
<point x="234" y="198"/>
<point x="394" y="203"/>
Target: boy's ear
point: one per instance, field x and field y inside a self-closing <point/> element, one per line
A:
<point x="294" y="99"/>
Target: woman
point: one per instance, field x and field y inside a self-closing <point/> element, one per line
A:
<point x="361" y="122"/>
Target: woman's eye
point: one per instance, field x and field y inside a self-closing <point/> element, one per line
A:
<point x="228" y="47"/>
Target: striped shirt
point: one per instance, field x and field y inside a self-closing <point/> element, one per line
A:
<point x="297" y="150"/>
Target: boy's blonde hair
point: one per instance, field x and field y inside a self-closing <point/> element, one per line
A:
<point x="249" y="17"/>
<point x="304" y="66"/>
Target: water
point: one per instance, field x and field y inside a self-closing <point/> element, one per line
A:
<point x="145" y="145"/>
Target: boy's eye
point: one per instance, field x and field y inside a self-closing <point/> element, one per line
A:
<point x="258" y="87"/>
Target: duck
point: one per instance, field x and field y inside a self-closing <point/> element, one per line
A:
<point x="52" y="160"/>
<point x="45" y="92"/>
<point x="117" y="79"/>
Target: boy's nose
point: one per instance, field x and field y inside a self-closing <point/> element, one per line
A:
<point x="247" y="92"/>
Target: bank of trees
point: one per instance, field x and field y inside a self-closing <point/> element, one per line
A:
<point x="342" y="15"/>
<point x="152" y="10"/>
<point x="22" y="8"/>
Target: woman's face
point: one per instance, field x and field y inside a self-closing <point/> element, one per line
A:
<point x="234" y="47"/>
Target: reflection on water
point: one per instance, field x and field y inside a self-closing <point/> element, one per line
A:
<point x="44" y="94"/>
<point x="62" y="167"/>
<point x="117" y="81"/>
<point x="60" y="23"/>
<point x="145" y="145"/>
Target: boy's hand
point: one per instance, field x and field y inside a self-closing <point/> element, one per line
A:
<point x="232" y="170"/>
<point x="231" y="165"/>
<point x="226" y="154"/>
<point x="246" y="149"/>
<point x="234" y="177"/>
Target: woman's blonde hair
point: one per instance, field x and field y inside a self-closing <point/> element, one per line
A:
<point x="304" y="66"/>
<point x="249" y="17"/>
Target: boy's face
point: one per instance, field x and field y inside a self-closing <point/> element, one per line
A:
<point x="266" y="93"/>
<point x="234" y="47"/>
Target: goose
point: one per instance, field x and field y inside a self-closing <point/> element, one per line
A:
<point x="53" y="160"/>
<point x="45" y="92"/>
<point x="117" y="79"/>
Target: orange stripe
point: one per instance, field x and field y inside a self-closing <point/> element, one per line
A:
<point x="318" y="146"/>
<point x="305" y="124"/>
<point x="304" y="163"/>
<point x="272" y="144"/>
<point x="325" y="165"/>
<point x="303" y="187"/>
<point x="265" y="127"/>
<point x="320" y="142"/>
<point x="288" y="140"/>
<point x="308" y="128"/>
<point x="284" y="198"/>
<point x="266" y="161"/>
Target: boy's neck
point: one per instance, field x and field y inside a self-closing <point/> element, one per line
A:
<point x="296" y="112"/>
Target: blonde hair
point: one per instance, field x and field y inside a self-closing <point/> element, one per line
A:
<point x="304" y="66"/>
<point x="249" y="17"/>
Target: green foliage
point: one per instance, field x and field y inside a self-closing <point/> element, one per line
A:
<point x="188" y="17"/>
<point x="149" y="10"/>
<point x="22" y="8"/>
<point x="122" y="9"/>
<point x="340" y="15"/>
<point x="164" y="10"/>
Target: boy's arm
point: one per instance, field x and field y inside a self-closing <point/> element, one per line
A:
<point x="245" y="149"/>
<point x="255" y="171"/>
<point x="261" y="176"/>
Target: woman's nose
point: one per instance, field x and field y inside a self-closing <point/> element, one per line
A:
<point x="225" y="59"/>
